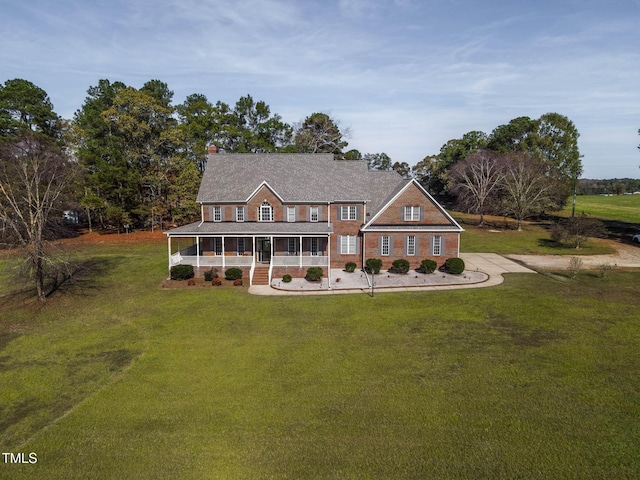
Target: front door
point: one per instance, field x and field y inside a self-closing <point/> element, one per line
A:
<point x="264" y="250"/>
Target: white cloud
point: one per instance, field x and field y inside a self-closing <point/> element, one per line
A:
<point x="406" y="76"/>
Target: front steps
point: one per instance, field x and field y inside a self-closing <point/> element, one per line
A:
<point x="260" y="276"/>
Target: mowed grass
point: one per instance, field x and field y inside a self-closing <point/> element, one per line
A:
<point x="622" y="208"/>
<point x="115" y="378"/>
<point x="500" y="235"/>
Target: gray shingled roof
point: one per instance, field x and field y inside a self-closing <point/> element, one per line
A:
<point x="296" y="178"/>
<point x="250" y="228"/>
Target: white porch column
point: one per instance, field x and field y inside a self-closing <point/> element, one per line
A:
<point x="329" y="260"/>
<point x="300" y="251"/>
<point x="223" y="255"/>
<point x="197" y="251"/>
<point x="169" y="242"/>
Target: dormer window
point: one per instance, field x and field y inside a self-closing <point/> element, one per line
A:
<point x="265" y="212"/>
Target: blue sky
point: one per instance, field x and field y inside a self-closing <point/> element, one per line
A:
<point x="404" y="76"/>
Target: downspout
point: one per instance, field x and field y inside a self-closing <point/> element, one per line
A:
<point x="364" y="235"/>
<point x="364" y="247"/>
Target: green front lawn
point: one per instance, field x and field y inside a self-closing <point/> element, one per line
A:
<point x="115" y="378"/>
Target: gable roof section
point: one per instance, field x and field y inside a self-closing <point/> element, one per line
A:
<point x="266" y="185"/>
<point x="397" y="193"/>
<point x="295" y="178"/>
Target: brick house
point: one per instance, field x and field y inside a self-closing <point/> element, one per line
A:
<point x="271" y="214"/>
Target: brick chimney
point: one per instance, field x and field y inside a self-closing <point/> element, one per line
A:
<point x="212" y="149"/>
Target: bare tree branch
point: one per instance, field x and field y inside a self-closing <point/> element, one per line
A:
<point x="34" y="175"/>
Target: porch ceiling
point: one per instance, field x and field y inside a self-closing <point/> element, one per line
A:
<point x="252" y="228"/>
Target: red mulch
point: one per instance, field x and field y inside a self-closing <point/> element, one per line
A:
<point x="113" y="238"/>
<point x="85" y="237"/>
<point x="199" y="284"/>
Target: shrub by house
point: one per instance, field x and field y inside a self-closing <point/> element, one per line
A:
<point x="233" y="273"/>
<point x="181" y="272"/>
<point x="400" y="266"/>
<point x="454" y="265"/>
<point x="314" y="274"/>
<point x="428" y="266"/>
<point x="373" y="265"/>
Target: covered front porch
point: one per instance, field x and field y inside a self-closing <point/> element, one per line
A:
<point x="259" y="247"/>
<point x="243" y="251"/>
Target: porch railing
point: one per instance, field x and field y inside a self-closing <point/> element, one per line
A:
<point x="211" y="261"/>
<point x="294" y="261"/>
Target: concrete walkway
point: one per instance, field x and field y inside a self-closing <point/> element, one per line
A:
<point x="481" y="270"/>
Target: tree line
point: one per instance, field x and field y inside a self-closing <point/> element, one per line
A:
<point x="131" y="157"/>
<point x="520" y="169"/>
<point x="613" y="186"/>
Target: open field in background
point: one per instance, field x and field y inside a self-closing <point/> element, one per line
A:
<point x="621" y="208"/>
<point x="115" y="378"/>
<point x="620" y="214"/>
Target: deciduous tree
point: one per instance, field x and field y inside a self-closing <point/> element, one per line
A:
<point x="35" y="174"/>
<point x="526" y="187"/>
<point x="476" y="179"/>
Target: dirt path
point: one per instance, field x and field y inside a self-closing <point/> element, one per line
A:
<point x="627" y="256"/>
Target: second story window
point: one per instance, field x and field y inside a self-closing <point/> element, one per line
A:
<point x="291" y="214"/>
<point x="348" y="213"/>
<point x="265" y="212"/>
<point x="411" y="214"/>
<point x="239" y="214"/>
<point x="314" y="215"/>
<point x="217" y="214"/>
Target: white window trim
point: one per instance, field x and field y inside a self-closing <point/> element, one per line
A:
<point x="217" y="214"/>
<point x="291" y="214"/>
<point x="265" y="207"/>
<point x="385" y="239"/>
<point x="239" y="214"/>
<point x="347" y="211"/>
<point x="411" y="214"/>
<point x="348" y="245"/>
<point x="411" y="246"/>
<point x="314" y="211"/>
<point x="437" y="246"/>
<point x="314" y="251"/>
